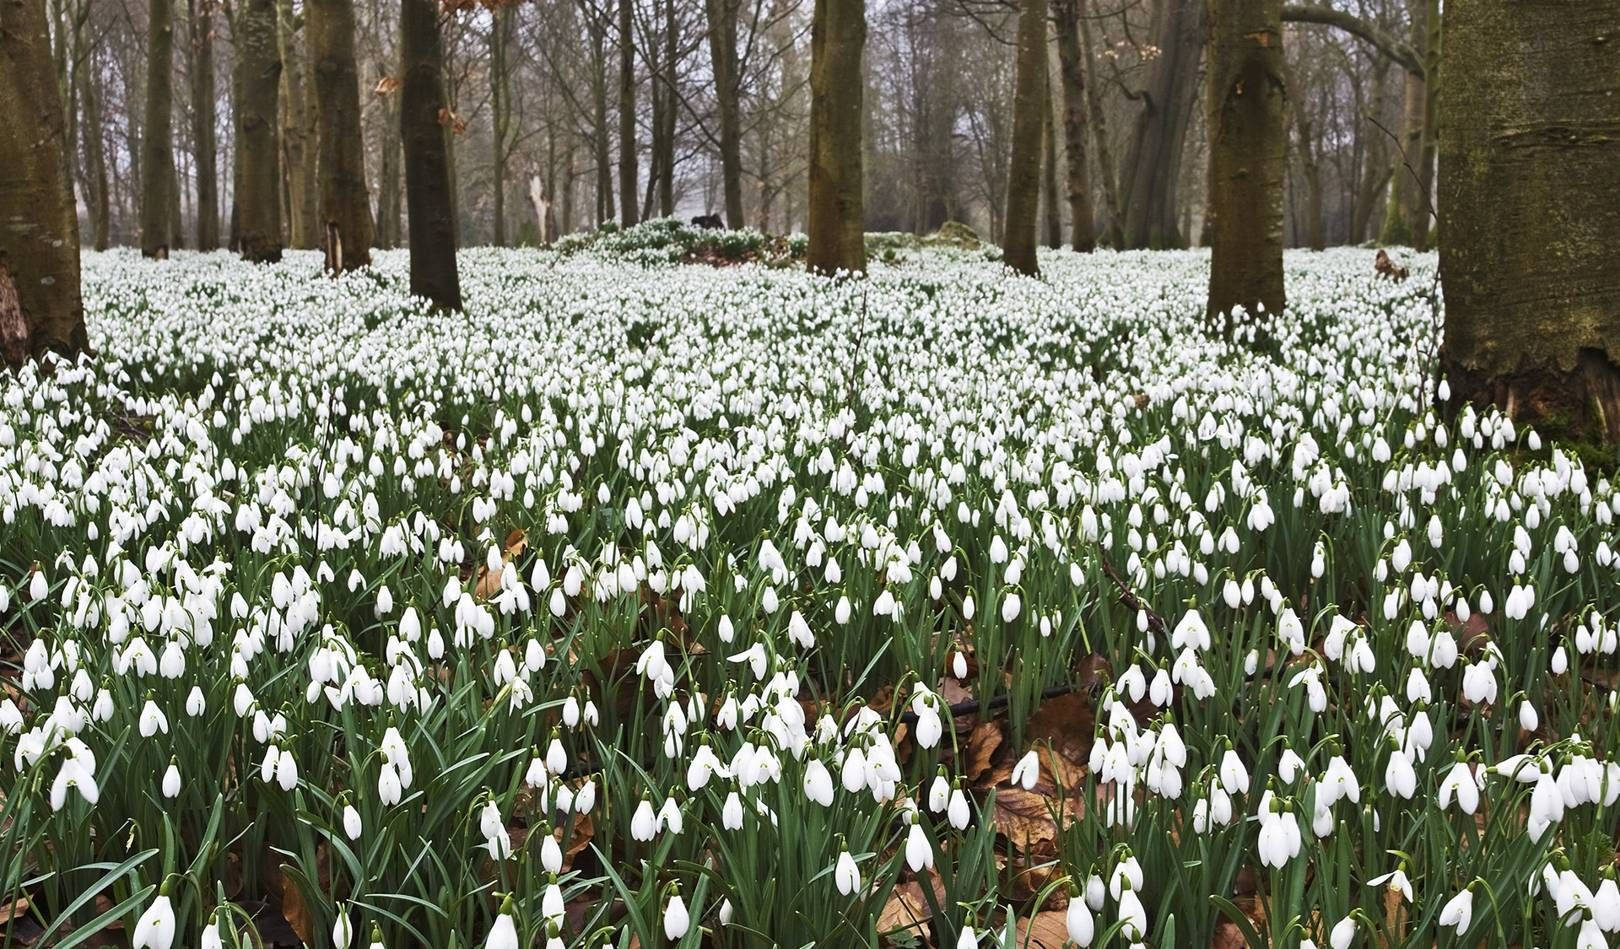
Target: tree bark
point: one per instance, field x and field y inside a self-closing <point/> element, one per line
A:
<point x="1071" y="68"/>
<point x="837" y="208"/>
<point x="258" y="149"/>
<point x="1051" y="214"/>
<point x="500" y="101"/>
<point x="727" y="91"/>
<point x="98" y="193"/>
<point x="427" y="163"/>
<point x="298" y="135"/>
<point x="390" y="226"/>
<point x="203" y="117"/>
<point x="1115" y="223"/>
<point x="666" y="160"/>
<point x="1248" y="150"/>
<point x="1152" y="169"/>
<point x="627" y="115"/>
<point x="604" y="171"/>
<point x="1407" y="204"/>
<point x="1024" y="167"/>
<point x="157" y="164"/>
<point x="345" y="203"/>
<point x="1529" y="224"/>
<point x="40" y="307"/>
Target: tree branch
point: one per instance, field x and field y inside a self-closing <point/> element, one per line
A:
<point x="1390" y="46"/>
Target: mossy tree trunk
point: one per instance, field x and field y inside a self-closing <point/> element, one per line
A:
<point x="157" y="161"/>
<point x="345" y="202"/>
<point x="837" y="207"/>
<point x="1024" y="166"/>
<point x="1248" y="148"/>
<point x="40" y="308"/>
<point x="1529" y="224"/>
<point x="298" y="133"/>
<point x="257" y="211"/>
<point x="427" y="160"/>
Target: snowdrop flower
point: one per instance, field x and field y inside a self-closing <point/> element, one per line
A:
<point x="1027" y="772"/>
<point x="503" y="934"/>
<point x="676" y="920"/>
<point x="1459" y="911"/>
<point x="846" y="875"/>
<point x="1396" y="882"/>
<point x="155" y="928"/>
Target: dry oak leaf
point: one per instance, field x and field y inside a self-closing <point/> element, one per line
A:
<point x="1029" y="819"/>
<point x="981" y="749"/>
<point x="907" y="910"/>
<point x="1045" y="930"/>
<point x="1068" y="723"/>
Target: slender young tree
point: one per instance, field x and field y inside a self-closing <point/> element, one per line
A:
<point x="99" y="190"/>
<point x="157" y="158"/>
<point x="257" y="208"/>
<point x="1248" y="147"/>
<point x="1024" y="167"/>
<point x="345" y="202"/>
<point x="837" y="214"/>
<point x="40" y="308"/>
<point x="200" y="16"/>
<point x="1529" y="224"/>
<point x="427" y="161"/>
<point x="627" y="114"/>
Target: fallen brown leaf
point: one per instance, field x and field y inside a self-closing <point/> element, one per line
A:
<point x="294" y="910"/>
<point x="1045" y="930"/>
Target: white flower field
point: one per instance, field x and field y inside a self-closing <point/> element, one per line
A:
<point x="648" y="604"/>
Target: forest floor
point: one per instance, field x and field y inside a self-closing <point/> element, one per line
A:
<point x="647" y="604"/>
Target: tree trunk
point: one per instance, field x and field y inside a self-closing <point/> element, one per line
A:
<point x="345" y="202"/>
<point x="98" y="196"/>
<point x="604" y="171"/>
<point x="1248" y="150"/>
<point x="427" y="162"/>
<point x="727" y="91"/>
<point x="837" y="208"/>
<point x="1114" y="225"/>
<point x="258" y="149"/>
<point x="666" y="159"/>
<point x="390" y="226"/>
<point x="1407" y="205"/>
<point x="203" y="117"/>
<point x="500" y="88"/>
<point x="1530" y="228"/>
<point x="1024" y="167"/>
<point x="1071" y="68"/>
<point x="298" y="136"/>
<point x="157" y="162"/>
<point x="1153" y="161"/>
<point x="40" y="307"/>
<point x="627" y="116"/>
<point x="1051" y="214"/>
